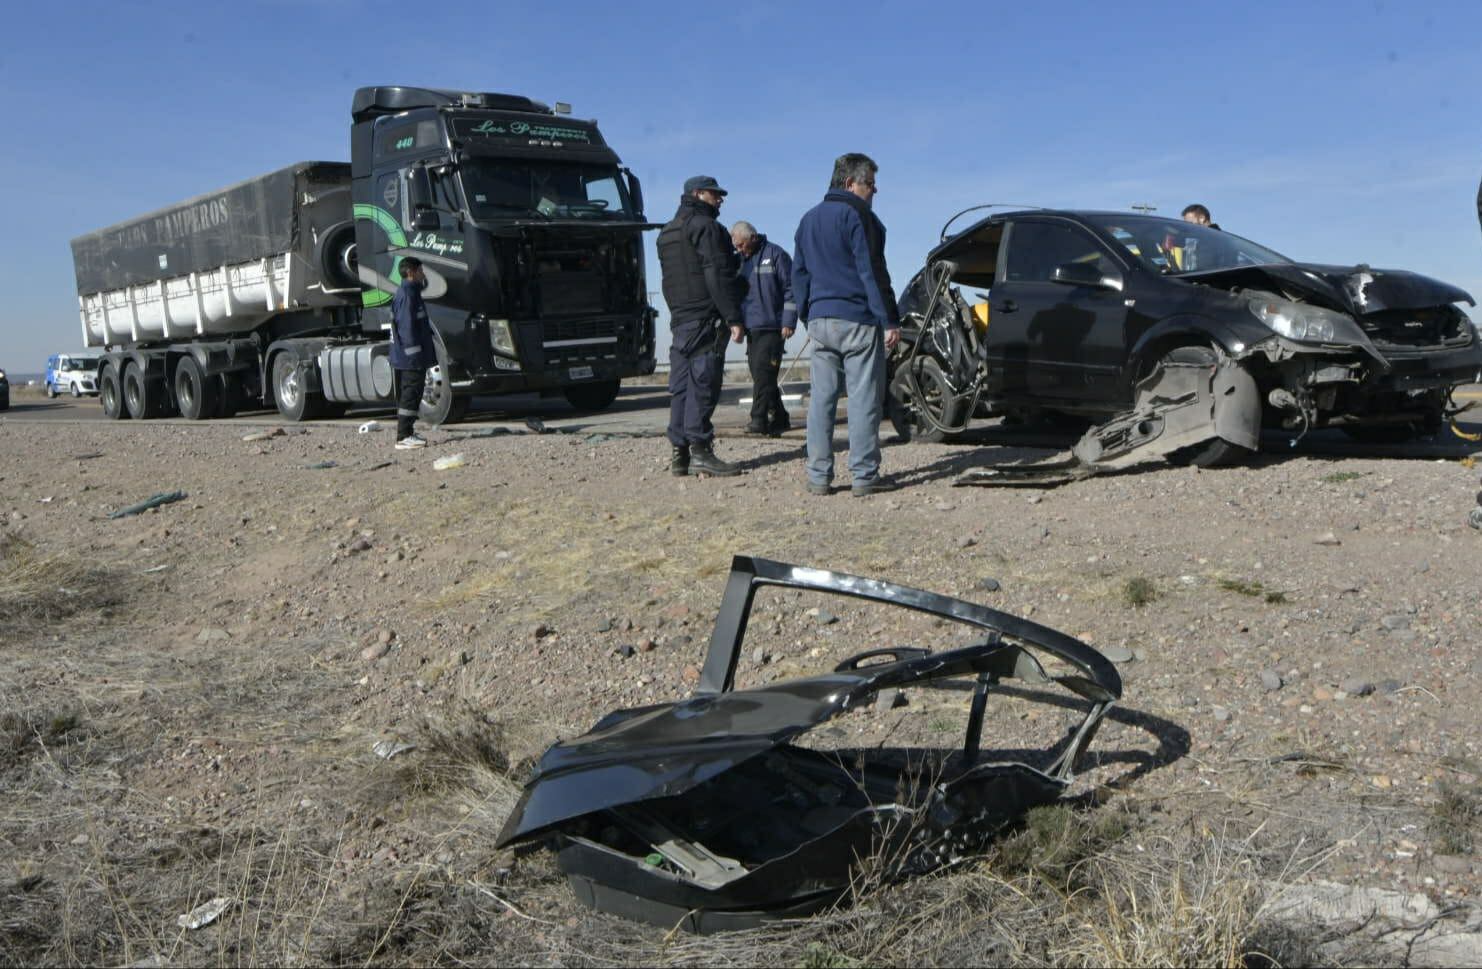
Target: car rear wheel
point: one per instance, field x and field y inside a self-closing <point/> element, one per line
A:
<point x="110" y="392"/>
<point x="944" y="407"/>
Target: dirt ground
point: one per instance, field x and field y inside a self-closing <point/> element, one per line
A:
<point x="192" y="711"/>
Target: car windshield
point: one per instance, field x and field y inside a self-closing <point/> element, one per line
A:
<point x="1175" y="247"/>
<point x="79" y="363"/>
<point x="503" y="188"/>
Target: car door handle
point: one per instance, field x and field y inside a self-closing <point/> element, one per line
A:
<point x="1007" y="306"/>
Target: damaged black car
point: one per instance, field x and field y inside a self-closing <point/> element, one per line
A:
<point x="1077" y="313"/>
<point x="714" y="812"/>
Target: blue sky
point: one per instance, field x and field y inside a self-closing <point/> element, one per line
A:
<point x="1336" y="132"/>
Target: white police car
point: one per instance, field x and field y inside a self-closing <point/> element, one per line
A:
<point x="71" y="373"/>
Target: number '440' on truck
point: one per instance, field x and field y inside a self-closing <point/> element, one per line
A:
<point x="276" y="291"/>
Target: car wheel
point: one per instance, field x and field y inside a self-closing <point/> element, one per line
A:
<point x="51" y="391"/>
<point x="76" y="389"/>
<point x="1217" y="453"/>
<point x="195" y="393"/>
<point x="937" y="400"/>
<point x="110" y="392"/>
<point x="594" y="396"/>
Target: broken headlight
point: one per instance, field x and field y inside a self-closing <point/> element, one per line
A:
<point x="1297" y="321"/>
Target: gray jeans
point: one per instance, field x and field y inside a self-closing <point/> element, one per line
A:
<point x="846" y="356"/>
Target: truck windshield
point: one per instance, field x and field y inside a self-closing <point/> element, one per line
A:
<point x="503" y="188"/>
<point x="1175" y="247"/>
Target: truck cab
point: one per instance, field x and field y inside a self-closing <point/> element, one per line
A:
<point x="530" y="232"/>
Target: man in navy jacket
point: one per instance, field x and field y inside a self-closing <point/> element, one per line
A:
<point x="770" y="317"/>
<point x="412" y="350"/>
<point x="843" y="295"/>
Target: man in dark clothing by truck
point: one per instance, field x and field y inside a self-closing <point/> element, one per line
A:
<point x="770" y="317"/>
<point x="844" y="297"/>
<point x="701" y="287"/>
<point x="412" y="350"/>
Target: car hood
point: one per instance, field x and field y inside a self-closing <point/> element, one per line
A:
<point x="1356" y="290"/>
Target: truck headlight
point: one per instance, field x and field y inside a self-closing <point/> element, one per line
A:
<point x="1297" y="321"/>
<point x="501" y="339"/>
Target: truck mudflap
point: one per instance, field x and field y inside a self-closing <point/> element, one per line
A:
<point x="1192" y="396"/>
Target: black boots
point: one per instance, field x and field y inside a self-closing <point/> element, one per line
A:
<point x="679" y="461"/>
<point x="703" y="461"/>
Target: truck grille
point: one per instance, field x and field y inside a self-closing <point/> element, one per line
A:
<point x="577" y="341"/>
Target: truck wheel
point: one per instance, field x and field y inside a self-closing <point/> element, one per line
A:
<point x="145" y="399"/>
<point x="594" y="396"/>
<point x="439" y="404"/>
<point x="289" y="392"/>
<point x="196" y="394"/>
<point x="111" y="394"/>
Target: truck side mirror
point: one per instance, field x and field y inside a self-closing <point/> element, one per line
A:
<point x="424" y="219"/>
<point x="1086" y="274"/>
<point x="635" y="191"/>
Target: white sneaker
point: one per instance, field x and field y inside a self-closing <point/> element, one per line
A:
<point x="410" y="442"/>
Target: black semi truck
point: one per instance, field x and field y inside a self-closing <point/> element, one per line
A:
<point x="277" y="291"/>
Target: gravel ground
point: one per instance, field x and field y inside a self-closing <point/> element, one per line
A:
<point x="1298" y="637"/>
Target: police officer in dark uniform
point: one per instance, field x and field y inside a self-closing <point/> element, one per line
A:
<point x="702" y="289"/>
<point x="412" y="350"/>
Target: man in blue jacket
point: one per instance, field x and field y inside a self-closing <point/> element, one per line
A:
<point x="770" y="317"/>
<point x="412" y="350"/>
<point x="843" y="295"/>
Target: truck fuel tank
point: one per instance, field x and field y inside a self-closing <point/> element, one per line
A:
<point x="357" y="374"/>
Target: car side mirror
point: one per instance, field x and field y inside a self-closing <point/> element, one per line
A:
<point x="1086" y="274"/>
<point x="424" y="219"/>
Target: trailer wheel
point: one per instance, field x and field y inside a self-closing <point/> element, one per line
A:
<point x="144" y="398"/>
<point x="197" y="395"/>
<point x="593" y="396"/>
<point x="111" y="394"/>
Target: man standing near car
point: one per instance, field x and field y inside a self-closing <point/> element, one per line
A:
<point x="843" y="296"/>
<point x="770" y="317"/>
<point x="412" y="350"/>
<point x="701" y="287"/>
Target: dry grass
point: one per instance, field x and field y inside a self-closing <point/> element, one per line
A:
<point x="38" y="587"/>
<point x="1139" y="591"/>
<point x="1253" y="589"/>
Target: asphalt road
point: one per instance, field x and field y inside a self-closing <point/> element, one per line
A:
<point x="643" y="410"/>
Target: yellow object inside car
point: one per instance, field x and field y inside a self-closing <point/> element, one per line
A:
<point x="980" y="317"/>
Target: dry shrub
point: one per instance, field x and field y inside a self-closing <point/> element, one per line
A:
<point x="37" y="586"/>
